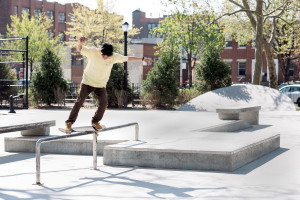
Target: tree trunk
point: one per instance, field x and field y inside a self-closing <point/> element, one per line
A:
<point x="284" y="66"/>
<point x="259" y="43"/>
<point x="271" y="65"/>
<point x="190" y="70"/>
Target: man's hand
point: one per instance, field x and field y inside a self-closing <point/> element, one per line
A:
<point x="81" y="41"/>
<point x="149" y="61"/>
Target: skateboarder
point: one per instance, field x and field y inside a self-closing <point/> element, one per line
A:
<point x="95" y="77"/>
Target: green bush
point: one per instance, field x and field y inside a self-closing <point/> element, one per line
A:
<point x="187" y="94"/>
<point x="48" y="84"/>
<point x="115" y="87"/>
<point x="212" y="73"/>
<point x="161" y="87"/>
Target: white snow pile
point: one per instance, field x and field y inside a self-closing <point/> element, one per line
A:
<point x="241" y="95"/>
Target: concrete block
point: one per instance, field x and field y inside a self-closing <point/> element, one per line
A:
<point x="64" y="146"/>
<point x="207" y="154"/>
<point x="248" y="114"/>
<point x="37" y="132"/>
<point x="28" y="128"/>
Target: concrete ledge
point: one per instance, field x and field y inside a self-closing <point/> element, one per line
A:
<point x="248" y="114"/>
<point x="30" y="128"/>
<point x="228" y="127"/>
<point x="207" y="155"/>
<point x="64" y="146"/>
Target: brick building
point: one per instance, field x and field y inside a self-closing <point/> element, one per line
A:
<point x="241" y="58"/>
<point x="145" y="42"/>
<point x="73" y="68"/>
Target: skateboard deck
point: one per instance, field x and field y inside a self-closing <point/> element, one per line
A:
<point x="81" y="129"/>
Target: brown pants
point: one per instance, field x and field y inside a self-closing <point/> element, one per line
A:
<point x="85" y="90"/>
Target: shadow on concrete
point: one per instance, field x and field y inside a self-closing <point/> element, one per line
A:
<point x="155" y="188"/>
<point x="254" y="128"/>
<point x="8" y="195"/>
<point x="259" y="162"/>
<point x="15" y="157"/>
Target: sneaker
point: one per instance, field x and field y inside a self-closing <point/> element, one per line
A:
<point x="68" y="126"/>
<point x="96" y="125"/>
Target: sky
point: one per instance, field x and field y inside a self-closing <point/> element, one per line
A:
<point x="153" y="8"/>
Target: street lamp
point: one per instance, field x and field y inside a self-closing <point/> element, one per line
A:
<point x="125" y="29"/>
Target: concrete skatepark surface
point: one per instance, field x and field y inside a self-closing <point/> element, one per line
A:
<point x="273" y="176"/>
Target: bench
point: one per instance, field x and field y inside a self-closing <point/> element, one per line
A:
<point x="38" y="128"/>
<point x="248" y="114"/>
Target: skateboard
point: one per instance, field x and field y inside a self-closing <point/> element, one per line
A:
<point x="89" y="129"/>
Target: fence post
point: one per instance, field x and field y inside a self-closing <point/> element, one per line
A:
<point x="11" y="104"/>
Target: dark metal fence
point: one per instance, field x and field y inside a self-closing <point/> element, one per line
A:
<point x="16" y="88"/>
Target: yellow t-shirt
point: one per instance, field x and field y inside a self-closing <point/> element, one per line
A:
<point x="97" y="71"/>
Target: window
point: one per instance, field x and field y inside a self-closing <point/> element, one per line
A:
<point x="61" y="18"/>
<point x="242" y="69"/>
<point x="150" y="27"/>
<point x="50" y="14"/>
<point x="242" y="45"/>
<point x="253" y="43"/>
<point x="286" y="89"/>
<point x="50" y="35"/>
<point x="37" y="13"/>
<point x="228" y="43"/>
<point x="27" y="10"/>
<point x="72" y="18"/>
<point x="61" y="36"/>
<point x="229" y="63"/>
<point x="295" y="89"/>
<point x="16" y="10"/>
<point x="292" y="69"/>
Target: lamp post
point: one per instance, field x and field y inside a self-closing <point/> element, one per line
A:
<point x="125" y="29"/>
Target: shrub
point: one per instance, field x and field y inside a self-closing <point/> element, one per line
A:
<point x="49" y="86"/>
<point x="187" y="94"/>
<point x="161" y="87"/>
<point x="212" y="73"/>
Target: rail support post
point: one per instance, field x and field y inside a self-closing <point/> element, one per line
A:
<point x="95" y="150"/>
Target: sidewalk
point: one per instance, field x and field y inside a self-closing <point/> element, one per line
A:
<point x="274" y="176"/>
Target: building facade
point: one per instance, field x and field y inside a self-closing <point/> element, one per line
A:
<point x="73" y="66"/>
<point x="146" y="43"/>
<point x="241" y="58"/>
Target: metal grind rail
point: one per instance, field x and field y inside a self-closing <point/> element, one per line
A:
<point x="49" y="139"/>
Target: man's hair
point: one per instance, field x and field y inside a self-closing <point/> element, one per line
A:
<point x="107" y="49"/>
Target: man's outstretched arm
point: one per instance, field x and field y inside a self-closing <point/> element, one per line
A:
<point x="132" y="59"/>
<point x="81" y="42"/>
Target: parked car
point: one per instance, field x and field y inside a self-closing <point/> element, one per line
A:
<point x="288" y="83"/>
<point x="293" y="91"/>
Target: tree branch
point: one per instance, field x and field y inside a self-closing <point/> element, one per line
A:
<point x="277" y="17"/>
<point x="250" y="16"/>
<point x="273" y="31"/>
<point x="283" y="6"/>
<point x="229" y="14"/>
<point x="294" y="58"/>
<point x="237" y="4"/>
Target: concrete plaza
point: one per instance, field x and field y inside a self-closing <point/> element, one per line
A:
<point x="273" y="176"/>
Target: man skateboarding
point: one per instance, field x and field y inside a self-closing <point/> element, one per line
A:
<point x="95" y="78"/>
